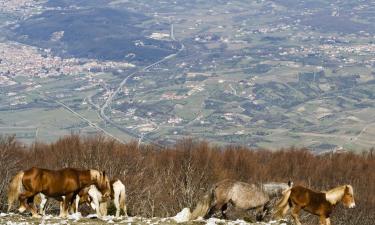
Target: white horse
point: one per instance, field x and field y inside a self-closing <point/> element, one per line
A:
<point x="94" y="198"/>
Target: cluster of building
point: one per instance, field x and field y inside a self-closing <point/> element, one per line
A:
<point x="24" y="60"/>
<point x="24" y="8"/>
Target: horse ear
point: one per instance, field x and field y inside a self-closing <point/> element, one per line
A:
<point x="347" y="189"/>
<point x="103" y="173"/>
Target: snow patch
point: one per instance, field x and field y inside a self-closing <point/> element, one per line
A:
<point x="182" y="216"/>
<point x="75" y="216"/>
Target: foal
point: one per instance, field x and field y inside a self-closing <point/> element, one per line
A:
<point x="317" y="203"/>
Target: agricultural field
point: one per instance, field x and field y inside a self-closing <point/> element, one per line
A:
<point x="265" y="74"/>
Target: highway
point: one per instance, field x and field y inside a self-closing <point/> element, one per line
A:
<point x="108" y="102"/>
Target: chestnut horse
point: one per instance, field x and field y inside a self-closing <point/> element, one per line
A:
<point x="241" y="195"/>
<point x="317" y="203"/>
<point x="60" y="184"/>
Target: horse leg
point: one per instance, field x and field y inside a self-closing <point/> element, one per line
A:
<point x="32" y="207"/>
<point x="218" y="206"/>
<point x="25" y="199"/>
<point x="295" y="212"/>
<point x="43" y="204"/>
<point x="62" y="206"/>
<point x="223" y="211"/>
<point x="324" y="220"/>
<point x="211" y="211"/>
<point x="263" y="211"/>
<point x="116" y="200"/>
<point x="74" y="208"/>
<point x="259" y="213"/>
<point x="67" y="204"/>
<point x="95" y="202"/>
<point x="285" y="210"/>
<point x="103" y="208"/>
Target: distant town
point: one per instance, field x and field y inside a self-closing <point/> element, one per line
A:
<point x="255" y="73"/>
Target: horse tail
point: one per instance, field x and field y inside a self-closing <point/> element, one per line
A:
<point x="122" y="200"/>
<point x="14" y="189"/>
<point x="282" y="205"/>
<point x="203" y="206"/>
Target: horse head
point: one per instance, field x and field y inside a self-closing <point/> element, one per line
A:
<point x="102" y="182"/>
<point x="348" y="197"/>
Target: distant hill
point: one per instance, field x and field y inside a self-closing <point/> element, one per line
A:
<point x="96" y="33"/>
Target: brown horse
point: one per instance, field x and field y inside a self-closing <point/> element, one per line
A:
<point x="241" y="195"/>
<point x="317" y="203"/>
<point x="55" y="184"/>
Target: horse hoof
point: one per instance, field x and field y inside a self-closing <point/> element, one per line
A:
<point x="22" y="209"/>
<point x="37" y="216"/>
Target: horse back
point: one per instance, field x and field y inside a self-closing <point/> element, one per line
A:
<point x="314" y="202"/>
<point x="242" y="195"/>
<point x="52" y="182"/>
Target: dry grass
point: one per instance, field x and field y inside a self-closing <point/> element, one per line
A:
<point x="162" y="182"/>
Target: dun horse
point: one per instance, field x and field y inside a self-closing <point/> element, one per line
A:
<point x="93" y="197"/>
<point x="55" y="184"/>
<point x="241" y="195"/>
<point x="317" y="203"/>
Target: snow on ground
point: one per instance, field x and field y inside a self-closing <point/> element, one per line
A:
<point x="182" y="216"/>
<point x="78" y="219"/>
<point x="215" y="221"/>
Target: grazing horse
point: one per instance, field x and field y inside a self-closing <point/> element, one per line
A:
<point x="241" y="195"/>
<point x="317" y="203"/>
<point x="60" y="184"/>
<point x="93" y="197"/>
<point x="118" y="195"/>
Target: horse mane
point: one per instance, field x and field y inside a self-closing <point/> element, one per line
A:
<point x="351" y="191"/>
<point x="96" y="174"/>
<point x="335" y="194"/>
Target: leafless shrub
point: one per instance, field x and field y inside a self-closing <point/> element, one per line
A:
<point x="162" y="182"/>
